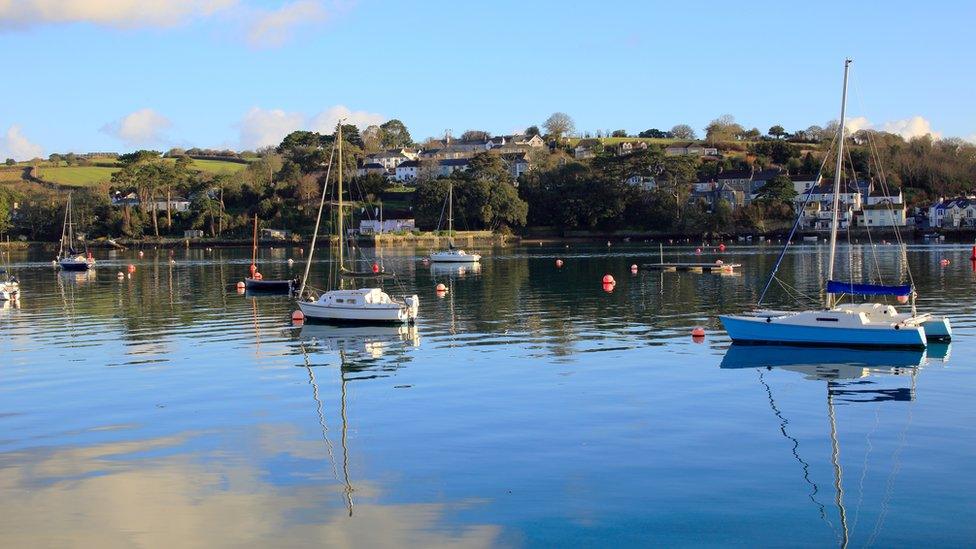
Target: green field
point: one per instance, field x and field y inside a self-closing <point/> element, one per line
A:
<point x="615" y="140"/>
<point x="81" y="176"/>
<point x="217" y="166"/>
<point x="76" y="176"/>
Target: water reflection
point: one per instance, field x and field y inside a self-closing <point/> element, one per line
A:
<point x="846" y="374"/>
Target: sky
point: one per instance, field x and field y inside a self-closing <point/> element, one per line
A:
<point x="117" y="75"/>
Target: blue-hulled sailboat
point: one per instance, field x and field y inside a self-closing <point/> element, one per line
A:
<point x="861" y="324"/>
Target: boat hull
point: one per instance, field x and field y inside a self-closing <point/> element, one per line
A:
<point x="68" y="265"/>
<point x="268" y="286"/>
<point x="331" y="313"/>
<point x="749" y="329"/>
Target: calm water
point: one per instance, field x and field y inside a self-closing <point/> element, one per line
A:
<point x="528" y="407"/>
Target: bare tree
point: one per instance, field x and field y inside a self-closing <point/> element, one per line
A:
<point x="559" y="125"/>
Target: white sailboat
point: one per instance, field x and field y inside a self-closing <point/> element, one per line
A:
<point x="9" y="285"/>
<point x="452" y="254"/>
<point x="70" y="259"/>
<point x="864" y="324"/>
<point x="364" y="305"/>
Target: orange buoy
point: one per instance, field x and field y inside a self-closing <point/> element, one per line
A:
<point x="253" y="269"/>
<point x="633" y="268"/>
<point x="698" y="331"/>
<point x="132" y="268"/>
<point x="608" y="287"/>
<point x="721" y="247"/>
<point x="559" y="262"/>
<point x="902" y="299"/>
<point x="608" y="279"/>
<point x="972" y="256"/>
<point x="440" y="287"/>
<point x="241" y="285"/>
<point x="258" y="276"/>
<point x="376" y="268"/>
<point x="298" y="317"/>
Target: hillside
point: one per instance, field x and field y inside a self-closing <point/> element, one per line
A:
<point x="83" y="176"/>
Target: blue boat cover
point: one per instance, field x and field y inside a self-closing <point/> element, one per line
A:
<point x="838" y="287"/>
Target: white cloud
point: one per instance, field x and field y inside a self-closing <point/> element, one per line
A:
<point x="259" y="26"/>
<point x="15" y="145"/>
<point x="142" y="127"/>
<point x="908" y="128"/>
<point x="267" y="127"/>
<point x="325" y="121"/>
<point x="856" y="123"/>
<point x="261" y="128"/>
<point x="111" y="13"/>
<point x="274" y="28"/>
<point x="971" y="138"/>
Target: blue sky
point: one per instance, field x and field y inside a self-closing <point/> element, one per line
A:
<point x="240" y="73"/>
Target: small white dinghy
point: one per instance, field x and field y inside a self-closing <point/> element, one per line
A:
<point x="452" y="254"/>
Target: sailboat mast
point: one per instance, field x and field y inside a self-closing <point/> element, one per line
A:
<point x="341" y="236"/>
<point x="64" y="226"/>
<point x="450" y="209"/>
<point x="254" y="249"/>
<point x="837" y="173"/>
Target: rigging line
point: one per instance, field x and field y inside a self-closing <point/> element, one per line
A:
<point x="896" y="467"/>
<point x="864" y="469"/>
<point x="311" y="250"/>
<point x="783" y="422"/>
<point x="795" y="291"/>
<point x="874" y="250"/>
<point x="796" y="223"/>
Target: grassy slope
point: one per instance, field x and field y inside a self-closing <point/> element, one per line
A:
<point x="80" y="176"/>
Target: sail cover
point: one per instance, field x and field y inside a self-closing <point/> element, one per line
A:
<point x="838" y="287"/>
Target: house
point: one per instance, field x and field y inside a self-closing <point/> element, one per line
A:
<point x="390" y="159"/>
<point x="176" y="204"/>
<point x="587" y="148"/>
<point x="371" y="168"/>
<point x="817" y="212"/>
<point x="193" y="233"/>
<point x="717" y="192"/>
<point x="689" y="148"/>
<point x="876" y="197"/>
<point x="275" y="234"/>
<point x="882" y="215"/>
<point x="645" y="182"/>
<point x="517" y="164"/>
<point x="122" y="200"/>
<point x="407" y="171"/>
<point x="518" y="140"/>
<point x="953" y="213"/>
<point x="446" y="167"/>
<point x="803" y="182"/>
<point x="374" y="226"/>
<point x="629" y="147"/>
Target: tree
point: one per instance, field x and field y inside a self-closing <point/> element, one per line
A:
<point x="139" y="156"/>
<point x="350" y="134"/>
<point x="655" y="134"/>
<point x="10" y="162"/>
<point x="559" y="125"/>
<point x="394" y="135"/>
<point x="371" y="185"/>
<point x="619" y="133"/>
<point x="6" y="203"/>
<point x="372" y="141"/>
<point x="55" y="158"/>
<point x="779" y="188"/>
<point x="683" y="131"/>
<point x="723" y="129"/>
<point x="532" y="131"/>
<point x="777" y="131"/>
<point x="475" y="135"/>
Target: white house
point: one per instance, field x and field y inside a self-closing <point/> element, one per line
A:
<point x="517" y="164"/>
<point x="374" y="226"/>
<point x="392" y="158"/>
<point x="878" y="197"/>
<point x="372" y="167"/>
<point x="407" y="171"/>
<point x="954" y="212"/>
<point x="882" y="215"/>
<point x="803" y="182"/>
<point x="689" y="148"/>
<point x="451" y="165"/>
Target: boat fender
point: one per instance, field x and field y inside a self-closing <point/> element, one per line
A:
<point x="769" y="319"/>
<point x="898" y="326"/>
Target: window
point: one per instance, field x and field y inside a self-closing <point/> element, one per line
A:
<point x="340" y="301"/>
